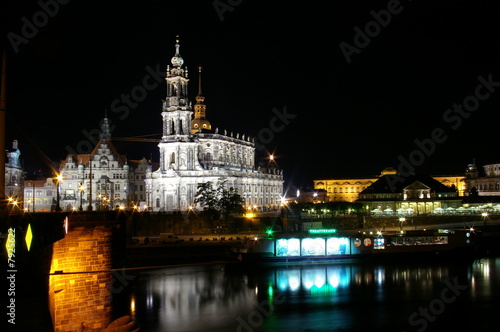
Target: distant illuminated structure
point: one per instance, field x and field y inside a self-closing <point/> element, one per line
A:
<point x="486" y="183"/>
<point x="348" y="189"/>
<point x="192" y="153"/>
<point x="200" y="122"/>
<point x="14" y="173"/>
<point x="412" y="195"/>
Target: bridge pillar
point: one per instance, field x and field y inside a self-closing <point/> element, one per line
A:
<point x="80" y="280"/>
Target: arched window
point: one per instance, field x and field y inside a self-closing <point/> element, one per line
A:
<point x="172" y="158"/>
<point x="158" y="202"/>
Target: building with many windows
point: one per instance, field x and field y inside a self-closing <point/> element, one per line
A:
<point x="412" y="195"/>
<point x="14" y="173"/>
<point x="192" y="153"/>
<point x="348" y="189"/>
<point x="485" y="183"/>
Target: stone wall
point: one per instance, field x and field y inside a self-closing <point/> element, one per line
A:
<point x="80" y="281"/>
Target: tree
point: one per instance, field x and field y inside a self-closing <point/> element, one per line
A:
<point x="206" y="195"/>
<point x="221" y="201"/>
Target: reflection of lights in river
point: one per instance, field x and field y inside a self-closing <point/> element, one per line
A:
<point x="149" y="301"/>
<point x="334" y="281"/>
<point x="132" y="307"/>
<point x="380" y="276"/>
<point x="319" y="282"/>
<point x="294" y="283"/>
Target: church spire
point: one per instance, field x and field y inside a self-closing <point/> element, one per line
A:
<point x="105" y="128"/>
<point x="177" y="108"/>
<point x="200" y="122"/>
<point x="177" y="60"/>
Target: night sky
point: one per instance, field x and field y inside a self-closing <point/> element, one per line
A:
<point x="343" y="119"/>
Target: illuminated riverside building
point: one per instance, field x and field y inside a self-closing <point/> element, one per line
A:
<point x="192" y="153"/>
<point x="99" y="179"/>
<point x="412" y="195"/>
<point x="14" y="173"/>
<point x="348" y="189"/>
<point x="485" y="184"/>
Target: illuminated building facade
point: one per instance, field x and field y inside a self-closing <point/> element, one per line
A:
<point x="191" y="153"/>
<point x="348" y="189"/>
<point x="486" y="184"/>
<point x="14" y="173"/>
<point x="99" y="179"/>
<point x="413" y="195"/>
<point x="39" y="195"/>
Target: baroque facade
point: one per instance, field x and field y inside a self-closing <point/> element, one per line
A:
<point x="14" y="173"/>
<point x="486" y="183"/>
<point x="100" y="180"/>
<point x="191" y="153"/>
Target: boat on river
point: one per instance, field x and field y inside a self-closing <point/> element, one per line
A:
<point x="318" y="246"/>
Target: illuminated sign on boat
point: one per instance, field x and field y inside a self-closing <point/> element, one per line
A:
<point x="322" y="231"/>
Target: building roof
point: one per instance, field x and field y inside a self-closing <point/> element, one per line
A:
<point x="393" y="183"/>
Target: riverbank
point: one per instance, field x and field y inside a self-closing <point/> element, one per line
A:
<point x="156" y="254"/>
<point x="211" y="250"/>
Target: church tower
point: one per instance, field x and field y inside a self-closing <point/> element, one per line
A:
<point x="178" y="150"/>
<point x="199" y="122"/>
<point x="177" y="110"/>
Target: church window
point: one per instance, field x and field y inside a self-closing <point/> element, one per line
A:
<point x="172" y="158"/>
<point x="157" y="202"/>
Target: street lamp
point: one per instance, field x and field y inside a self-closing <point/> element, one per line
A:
<point x="58" y="180"/>
<point x="81" y="196"/>
<point x="401" y="221"/>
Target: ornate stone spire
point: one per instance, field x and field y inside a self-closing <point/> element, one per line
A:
<point x="105" y="128"/>
<point x="177" y="60"/>
<point x="200" y="122"/>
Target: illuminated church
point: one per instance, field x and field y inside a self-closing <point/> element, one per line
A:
<point x="191" y="152"/>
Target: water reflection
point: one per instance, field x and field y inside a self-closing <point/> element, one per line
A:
<point x="351" y="296"/>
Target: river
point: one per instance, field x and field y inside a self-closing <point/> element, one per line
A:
<point x="344" y="296"/>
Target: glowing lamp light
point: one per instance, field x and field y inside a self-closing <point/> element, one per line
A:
<point x="66" y="224"/>
<point x="249" y="215"/>
<point x="29" y="237"/>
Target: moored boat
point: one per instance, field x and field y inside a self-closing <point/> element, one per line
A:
<point x="318" y="246"/>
